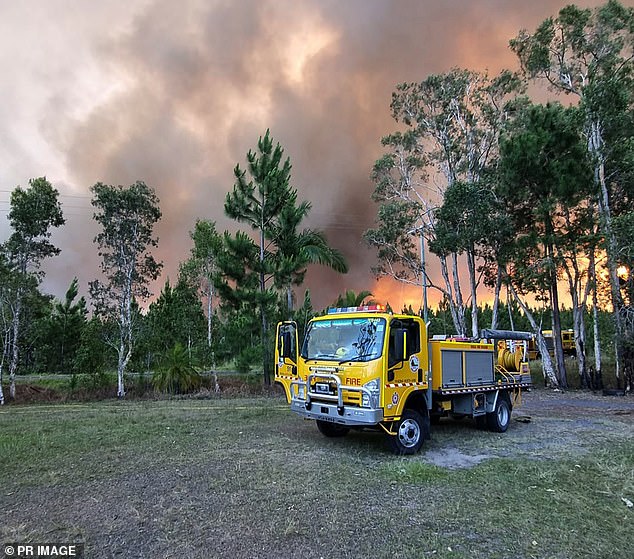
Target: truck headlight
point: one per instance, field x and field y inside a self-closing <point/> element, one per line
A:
<point x="372" y="400"/>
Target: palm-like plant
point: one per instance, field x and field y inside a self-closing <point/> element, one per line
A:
<point x="177" y="376"/>
<point x="352" y="299"/>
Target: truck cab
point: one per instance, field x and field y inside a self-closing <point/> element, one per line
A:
<point x="356" y="368"/>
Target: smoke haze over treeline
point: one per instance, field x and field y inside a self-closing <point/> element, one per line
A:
<point x="175" y="94"/>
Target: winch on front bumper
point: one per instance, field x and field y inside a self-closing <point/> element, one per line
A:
<point x="312" y="400"/>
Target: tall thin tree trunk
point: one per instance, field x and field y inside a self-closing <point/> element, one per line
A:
<point x="462" y="328"/>
<point x="595" y="146"/>
<point x="578" y="325"/>
<point x="510" y="308"/>
<point x="557" y="342"/>
<point x="210" y="294"/>
<point x="580" y="347"/>
<point x="209" y="311"/>
<point x="496" y="299"/>
<point x="15" y="354"/>
<point x="474" y="297"/>
<point x="4" y="354"/>
<point x="125" y="339"/>
<point x="121" y="365"/>
<point x="547" y="363"/>
<point x="598" y="376"/>
<point x="265" y="352"/>
<point x="579" y="299"/>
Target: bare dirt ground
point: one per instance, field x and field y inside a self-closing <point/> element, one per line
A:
<point x="553" y="424"/>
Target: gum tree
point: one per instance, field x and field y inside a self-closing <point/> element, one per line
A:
<point x="127" y="216"/>
<point x="202" y="266"/>
<point x="453" y="122"/>
<point x="34" y="211"/>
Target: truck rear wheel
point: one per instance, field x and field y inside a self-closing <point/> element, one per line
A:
<point x="332" y="429"/>
<point x="411" y="431"/>
<point x="499" y="420"/>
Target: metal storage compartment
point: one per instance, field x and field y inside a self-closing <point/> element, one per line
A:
<point x="451" y="369"/>
<point x="478" y="368"/>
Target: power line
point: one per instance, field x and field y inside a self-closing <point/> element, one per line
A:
<point x="60" y="194"/>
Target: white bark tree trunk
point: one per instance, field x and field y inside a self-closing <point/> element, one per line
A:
<point x="595" y="147"/>
<point x="15" y="354"/>
<point x="547" y="363"/>
<point x="496" y="299"/>
<point x="210" y="295"/>
<point x="462" y="328"/>
<point x="474" y="297"/>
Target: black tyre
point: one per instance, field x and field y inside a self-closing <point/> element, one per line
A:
<point x="332" y="429"/>
<point x="499" y="420"/>
<point x="411" y="432"/>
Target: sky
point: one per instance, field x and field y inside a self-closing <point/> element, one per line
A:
<point x="176" y="93"/>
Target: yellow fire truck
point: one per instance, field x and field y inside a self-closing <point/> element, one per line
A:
<point x="363" y="367"/>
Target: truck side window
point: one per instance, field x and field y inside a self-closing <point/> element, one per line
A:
<point x="392" y="358"/>
<point x="413" y="340"/>
<point x="287" y="332"/>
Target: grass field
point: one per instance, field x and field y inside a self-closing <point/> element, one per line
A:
<point x="245" y="478"/>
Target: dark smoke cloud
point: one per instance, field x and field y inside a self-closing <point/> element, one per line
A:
<point x="196" y="82"/>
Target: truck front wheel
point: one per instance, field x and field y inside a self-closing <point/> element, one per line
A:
<point x="410" y="433"/>
<point x="332" y="429"/>
<point x="499" y="420"/>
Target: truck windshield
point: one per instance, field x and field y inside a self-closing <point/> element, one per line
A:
<point x="344" y="339"/>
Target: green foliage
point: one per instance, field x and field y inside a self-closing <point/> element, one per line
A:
<point x="258" y="201"/>
<point x="60" y="333"/>
<point x="33" y="213"/>
<point x="297" y="249"/>
<point x="453" y="121"/>
<point x="176" y="317"/>
<point x="544" y="174"/>
<point x="177" y="375"/>
<point x="244" y="360"/>
<point x="588" y="54"/>
<point x="239" y="333"/>
<point x="352" y="299"/>
<point x="93" y="356"/>
<point x="398" y="176"/>
<point x="468" y="218"/>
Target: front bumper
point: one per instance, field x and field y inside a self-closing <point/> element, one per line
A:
<point x="344" y="415"/>
<point x="331" y="407"/>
